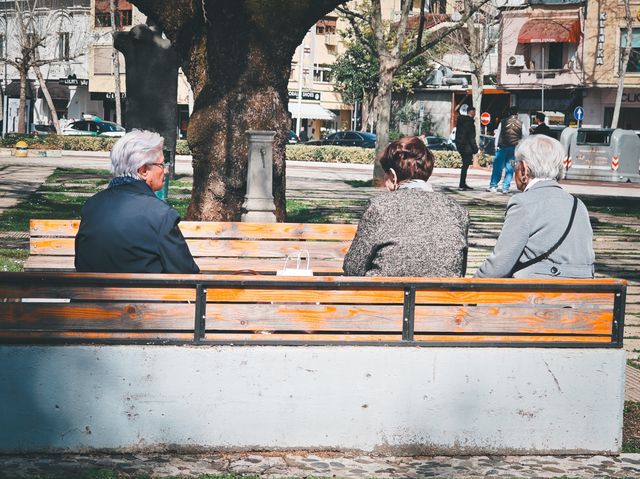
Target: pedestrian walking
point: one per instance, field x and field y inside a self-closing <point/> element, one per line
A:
<point x="508" y="134"/>
<point x="542" y="128"/>
<point x="466" y="144"/>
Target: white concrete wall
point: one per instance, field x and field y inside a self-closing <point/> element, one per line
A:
<point x="388" y="400"/>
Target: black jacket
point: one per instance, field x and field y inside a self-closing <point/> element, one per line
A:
<point x="126" y="229"/>
<point x="466" y="135"/>
<point x="542" y="129"/>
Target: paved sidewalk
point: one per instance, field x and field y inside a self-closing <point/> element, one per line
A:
<point x="297" y="464"/>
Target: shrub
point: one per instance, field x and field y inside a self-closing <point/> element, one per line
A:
<point x="182" y="148"/>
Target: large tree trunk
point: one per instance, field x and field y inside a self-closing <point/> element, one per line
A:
<point x="22" y="102"/>
<point x="477" y="85"/>
<point x="236" y="55"/>
<point x="383" y="105"/>
<point x="115" y="57"/>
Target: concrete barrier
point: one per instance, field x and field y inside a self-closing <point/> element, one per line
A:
<point x="391" y="400"/>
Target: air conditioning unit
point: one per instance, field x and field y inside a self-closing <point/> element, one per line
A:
<point x="516" y="61"/>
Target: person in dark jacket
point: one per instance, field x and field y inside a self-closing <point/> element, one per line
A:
<point x="126" y="228"/>
<point x="409" y="230"/>
<point x="542" y="128"/>
<point x="466" y="143"/>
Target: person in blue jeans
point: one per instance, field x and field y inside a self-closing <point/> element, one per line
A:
<point x="508" y="134"/>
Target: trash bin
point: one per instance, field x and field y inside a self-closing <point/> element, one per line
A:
<point x="21" y="149"/>
<point x="604" y="154"/>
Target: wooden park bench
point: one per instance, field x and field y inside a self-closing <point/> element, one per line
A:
<point x="216" y="246"/>
<point x="383" y="365"/>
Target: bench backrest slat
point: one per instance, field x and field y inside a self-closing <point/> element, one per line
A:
<point x="252" y="309"/>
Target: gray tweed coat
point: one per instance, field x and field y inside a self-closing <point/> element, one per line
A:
<point x="534" y="222"/>
<point x="410" y="232"/>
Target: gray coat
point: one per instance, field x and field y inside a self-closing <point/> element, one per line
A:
<point x="410" y="233"/>
<point x="534" y="222"/>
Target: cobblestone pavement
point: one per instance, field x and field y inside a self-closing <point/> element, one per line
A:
<point x="324" y="465"/>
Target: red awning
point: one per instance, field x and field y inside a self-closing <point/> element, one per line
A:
<point x="556" y="30"/>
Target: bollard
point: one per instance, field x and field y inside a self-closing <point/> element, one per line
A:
<point x="21" y="149"/>
<point x="258" y="201"/>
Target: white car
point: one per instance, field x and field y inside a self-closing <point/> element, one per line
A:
<point x="93" y="128"/>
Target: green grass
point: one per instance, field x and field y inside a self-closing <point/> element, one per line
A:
<point x="612" y="205"/>
<point x="631" y="430"/>
<point x="324" y="211"/>
<point x="11" y="260"/>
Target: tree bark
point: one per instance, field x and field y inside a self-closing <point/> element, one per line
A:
<point x="383" y="103"/>
<point x="22" y="102"/>
<point x="236" y="55"/>
<point x="624" y="60"/>
<point x="115" y="55"/>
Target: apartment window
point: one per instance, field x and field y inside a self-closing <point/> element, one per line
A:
<point x="634" y="56"/>
<point x="322" y="74"/>
<point x="556" y="60"/>
<point x="439" y="6"/>
<point x="102" y="60"/>
<point x="124" y="15"/>
<point x="326" y="26"/>
<point x="1" y="46"/>
<point x="63" y="46"/>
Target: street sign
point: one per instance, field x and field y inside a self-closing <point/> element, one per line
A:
<point x="578" y="113"/>
<point x="485" y="118"/>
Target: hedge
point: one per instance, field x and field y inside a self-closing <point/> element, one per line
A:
<point x="324" y="154"/>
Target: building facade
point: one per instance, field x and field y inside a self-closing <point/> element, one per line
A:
<point x="605" y="37"/>
<point x="64" y="25"/>
<point x="541" y="56"/>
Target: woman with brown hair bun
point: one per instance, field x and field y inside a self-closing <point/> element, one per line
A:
<point x="409" y="230"/>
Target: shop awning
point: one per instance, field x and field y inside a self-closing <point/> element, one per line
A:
<point x="551" y="30"/>
<point x="311" y="111"/>
<point x="56" y="90"/>
<point x="13" y="89"/>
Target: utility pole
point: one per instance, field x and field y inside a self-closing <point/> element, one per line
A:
<point x="113" y="6"/>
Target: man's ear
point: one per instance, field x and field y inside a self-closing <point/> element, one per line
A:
<point x="143" y="171"/>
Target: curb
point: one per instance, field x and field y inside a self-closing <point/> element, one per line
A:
<point x="7" y="152"/>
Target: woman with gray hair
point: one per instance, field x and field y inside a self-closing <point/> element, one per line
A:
<point x="546" y="231"/>
<point x="126" y="228"/>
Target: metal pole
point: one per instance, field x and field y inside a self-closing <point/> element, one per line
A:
<point x="300" y="68"/>
<point x="542" y="84"/>
<point x="5" y="47"/>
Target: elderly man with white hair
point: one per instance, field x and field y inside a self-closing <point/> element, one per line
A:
<point x="126" y="228"/>
<point x="546" y="232"/>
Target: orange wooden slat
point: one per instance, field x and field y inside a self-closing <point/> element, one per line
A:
<point x="217" y="248"/>
<point x="105" y="316"/>
<point x="507" y="297"/>
<point x="104" y="293"/>
<point x="213" y="336"/>
<point x="41" y="262"/>
<point x="511" y="338"/>
<point x="93" y="335"/>
<point x="228" y="230"/>
<point x="257" y="295"/>
<point x="262" y="231"/>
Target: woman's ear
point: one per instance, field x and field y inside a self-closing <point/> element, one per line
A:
<point x="391" y="180"/>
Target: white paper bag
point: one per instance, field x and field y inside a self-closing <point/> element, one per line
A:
<point x="295" y="266"/>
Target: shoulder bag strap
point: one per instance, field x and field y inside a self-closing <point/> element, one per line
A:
<point x="545" y="255"/>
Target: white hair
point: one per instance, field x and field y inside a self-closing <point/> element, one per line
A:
<point x="136" y="148"/>
<point x="544" y="156"/>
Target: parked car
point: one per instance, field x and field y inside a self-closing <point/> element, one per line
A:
<point x="93" y="128"/>
<point x="41" y="130"/>
<point x="439" y="143"/>
<point x="293" y="138"/>
<point x="348" y="138"/>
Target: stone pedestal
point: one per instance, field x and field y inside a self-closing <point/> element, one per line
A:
<point x="258" y="203"/>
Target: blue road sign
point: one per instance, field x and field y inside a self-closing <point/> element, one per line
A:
<point x="578" y="113"/>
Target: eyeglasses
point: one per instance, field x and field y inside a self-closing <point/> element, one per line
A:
<point x="161" y="165"/>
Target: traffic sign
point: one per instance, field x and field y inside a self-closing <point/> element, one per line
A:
<point x="578" y="113"/>
<point x="485" y="118"/>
